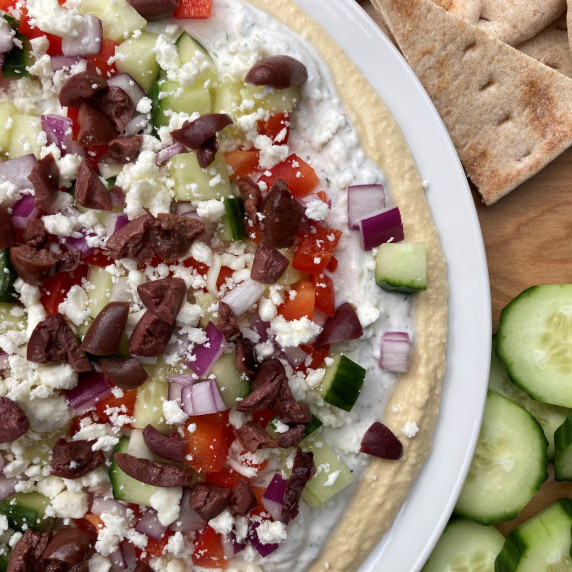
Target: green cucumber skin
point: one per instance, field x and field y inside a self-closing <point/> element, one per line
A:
<point x="563" y="451"/>
<point x="7" y="277"/>
<point x="234" y="207"/>
<point x="341" y="387"/>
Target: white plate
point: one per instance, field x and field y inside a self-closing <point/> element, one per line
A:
<point x="422" y="518"/>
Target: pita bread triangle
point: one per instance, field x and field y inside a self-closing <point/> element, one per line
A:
<point x="507" y="114"/>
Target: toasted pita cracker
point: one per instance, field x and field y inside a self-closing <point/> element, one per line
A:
<point x="508" y="115"/>
<point x="511" y="21"/>
<point x="551" y="47"/>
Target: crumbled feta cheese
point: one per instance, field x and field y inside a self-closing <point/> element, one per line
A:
<point x="76" y="305"/>
<point x="267" y="309"/>
<point x="317" y="210"/>
<point x="68" y="504"/>
<point x="410" y="429"/>
<point x="294" y="332"/>
<point x="173" y="413"/>
<point x="167" y="504"/>
<point x="367" y="314"/>
<point x="210" y="210"/>
<point x="222" y="523"/>
<point x="271" y="532"/>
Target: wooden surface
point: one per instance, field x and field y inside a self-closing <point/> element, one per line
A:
<point x="528" y="241"/>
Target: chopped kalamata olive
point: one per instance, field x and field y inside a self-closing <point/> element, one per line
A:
<point x="291" y="438"/>
<point x="35" y="234"/>
<point x="150" y="336"/>
<point x="279" y="72"/>
<point x="268" y="265"/>
<point x="7" y="230"/>
<point x="134" y="240"/>
<point x="208" y="499"/>
<point x="302" y="471"/>
<point x="125" y="149"/>
<point x="172" y="446"/>
<point x="242" y="499"/>
<point x="253" y="436"/>
<point x="70" y="545"/>
<point x="163" y="297"/>
<point x="116" y="103"/>
<point x="265" y="386"/>
<point x="153" y="472"/>
<point x="251" y="195"/>
<point x="14" y="421"/>
<point x="380" y="441"/>
<point x="342" y="327"/>
<point x="27" y="554"/>
<point x="227" y="322"/>
<point x="33" y="266"/>
<point x="282" y="215"/>
<point x="80" y="87"/>
<point x="194" y="134"/>
<point x="45" y="178"/>
<point x="105" y="333"/>
<point x="174" y="234"/>
<point x="206" y="153"/>
<point x="74" y="459"/>
<point x="244" y="358"/>
<point x="126" y="373"/>
<point x="290" y="410"/>
<point x="90" y="192"/>
<point x="95" y="127"/>
<point x="154" y="9"/>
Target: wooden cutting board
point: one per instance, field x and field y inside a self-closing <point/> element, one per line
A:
<point x="528" y="241"/>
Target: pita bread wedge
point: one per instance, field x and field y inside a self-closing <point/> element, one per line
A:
<point x="508" y="115"/>
<point x="511" y="21"/>
<point x="551" y="47"/>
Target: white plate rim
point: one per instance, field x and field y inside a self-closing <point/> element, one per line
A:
<point x="408" y="543"/>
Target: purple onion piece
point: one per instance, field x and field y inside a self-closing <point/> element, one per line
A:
<point x="63" y="62"/>
<point x="295" y="355"/>
<point x="243" y="297"/>
<point x="88" y="41"/>
<point x="58" y="130"/>
<point x="168" y="153"/>
<point x="362" y="201"/>
<point x="175" y="392"/>
<point x="7" y="487"/>
<point x="204" y="356"/>
<point x="184" y="207"/>
<point x="4" y="363"/>
<point x="273" y="497"/>
<point x="91" y="388"/>
<point x="261" y="328"/>
<point x="202" y="398"/>
<point x="382" y="226"/>
<point x="24" y="207"/>
<point x="150" y="525"/>
<point x="17" y="170"/>
<point x="129" y="86"/>
<point x="262" y="549"/>
<point x="79" y="244"/>
<point x="117" y="559"/>
<point x="395" y="352"/>
<point x="189" y="519"/>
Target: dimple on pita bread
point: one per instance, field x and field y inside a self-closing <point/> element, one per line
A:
<point x="511" y="21"/>
<point x="508" y="115"/>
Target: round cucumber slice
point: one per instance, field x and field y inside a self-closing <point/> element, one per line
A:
<point x="466" y="546"/>
<point x="509" y="464"/>
<point x="534" y="341"/>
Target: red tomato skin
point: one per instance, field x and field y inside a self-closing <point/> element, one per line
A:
<point x="209" y="552"/>
<point x="302" y="305"/>
<point x="193" y="9"/>
<point x="324" y="294"/>
<point x="243" y="162"/>
<point x="56" y="288"/>
<point x="299" y="176"/>
<point x="315" y="250"/>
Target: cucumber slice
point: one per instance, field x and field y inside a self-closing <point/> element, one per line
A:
<point x="26" y="510"/>
<point x="127" y="488"/>
<point x="233" y="385"/>
<point x="118" y="17"/>
<point x="137" y="58"/>
<point x="401" y="266"/>
<point x="100" y="290"/>
<point x="191" y="52"/>
<point x="149" y="404"/>
<point x="563" y="451"/>
<point x="24" y="136"/>
<point x="342" y="383"/>
<point x="542" y="543"/>
<point x="208" y="303"/>
<point x="18" y="58"/>
<point x="7" y="277"/>
<point x="233" y="220"/>
<point x="534" y="342"/>
<point x="549" y="416"/>
<point x="12" y="317"/>
<point x="466" y="545"/>
<point x="332" y="475"/>
<point x="7" y="112"/>
<point x="314" y="425"/>
<point x="4" y="558"/>
<point x="509" y="464"/>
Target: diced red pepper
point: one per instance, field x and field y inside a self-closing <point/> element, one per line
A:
<point x="318" y="355"/>
<point x="324" y="294"/>
<point x="301" y="178"/>
<point x="315" y="249"/>
<point x="154" y="548"/>
<point x="127" y="402"/>
<point x="97" y="258"/>
<point x="225" y="272"/>
<point x="263" y="416"/>
<point x="208" y="444"/>
<point x="193" y="9"/>
<point x="332" y="264"/>
<point x="26" y="29"/>
<point x="302" y="305"/>
<point x="198" y="266"/>
<point x="277" y="127"/>
<point x="56" y="288"/>
<point x="6" y="5"/>
<point x="90" y="522"/>
<point x="258" y="493"/>
<point x="226" y="477"/>
<point x="102" y="60"/>
<point x="323" y="196"/>
<point x="209" y="552"/>
<point x="242" y="161"/>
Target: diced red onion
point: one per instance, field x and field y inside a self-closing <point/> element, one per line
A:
<point x="58" y="129"/>
<point x="91" y="388"/>
<point x="24" y="207"/>
<point x="231" y="546"/>
<point x="2" y="463"/>
<point x="261" y="328"/>
<point x="184" y="208"/>
<point x="204" y="356"/>
<point x="137" y="124"/>
<point x="6" y="38"/>
<point x="175" y="392"/>
<point x="79" y="244"/>
<point x="110" y="224"/>
<point x="16" y="170"/>
<point x="263" y="549"/>
<point x="7" y="487"/>
<point x="129" y="85"/>
<point x="395" y="352"/>
<point x="362" y="201"/>
<point x="150" y="525"/>
<point x="121" y="221"/>
<point x="100" y="505"/>
<point x="295" y="355"/>
<point x="117" y="198"/>
<point x="185" y="380"/>
<point x="202" y="398"/>
<point x="273" y="497"/>
<point x="129" y="554"/>
<point x="243" y="297"/>
<point x="189" y="519"/>
<point x="237" y="546"/>
<point x="117" y="559"/>
<point x="4" y="363"/>
<point x="304" y="201"/>
<point x="89" y="40"/>
<point x="63" y="62"/>
<point x="163" y="155"/>
<point x="382" y="226"/>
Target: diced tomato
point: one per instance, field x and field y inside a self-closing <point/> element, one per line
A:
<point x="101" y="60"/>
<point x="94" y="154"/>
<point x="277" y="127"/>
<point x="127" y="401"/>
<point x="225" y="272"/>
<point x="332" y="264"/>
<point x="253" y="232"/>
<point x="208" y="444"/>
<point x="198" y="266"/>
<point x="6" y="5"/>
<point x="323" y="196"/>
<point x="226" y="477"/>
<point x="209" y="552"/>
<point x="318" y="355"/>
<point x="56" y="288"/>
<point x="301" y="178"/>
<point x="302" y="304"/>
<point x="315" y="250"/>
<point x="324" y="293"/>
<point x="154" y="548"/>
<point x="26" y="29"/>
<point x="242" y="161"/>
<point x="90" y="522"/>
<point x="97" y="258"/>
<point x="193" y="9"/>
<point x="263" y="416"/>
<point x="258" y="493"/>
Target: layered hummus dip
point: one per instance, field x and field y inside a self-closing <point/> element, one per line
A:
<point x="222" y="297"/>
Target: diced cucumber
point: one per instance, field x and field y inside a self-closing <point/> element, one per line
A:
<point x="17" y="60"/>
<point x="12" y="317"/>
<point x="227" y="98"/>
<point x="465" y="545"/>
<point x="26" y="510"/>
<point x="332" y="474"/>
<point x="401" y="266"/>
<point x="127" y="488"/>
<point x="206" y="301"/>
<point x="563" y="451"/>
<point x="269" y="99"/>
<point x="118" y="17"/>
<point x="170" y="97"/>
<point x="509" y="464"/>
<point x="542" y="543"/>
<point x="191" y="52"/>
<point x="233" y="220"/>
<point x="549" y="416"/>
<point x="291" y="276"/>
<point x="7" y="112"/>
<point x="7" y="277"/>
<point x="233" y="384"/>
<point x="534" y="342"/>
<point x="4" y="558"/>
<point x="99" y="290"/>
<point x="24" y="136"/>
<point x="342" y="382"/>
<point x="314" y="425"/>
<point x="137" y="58"/>
<point x="149" y="404"/>
<point x="192" y="183"/>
